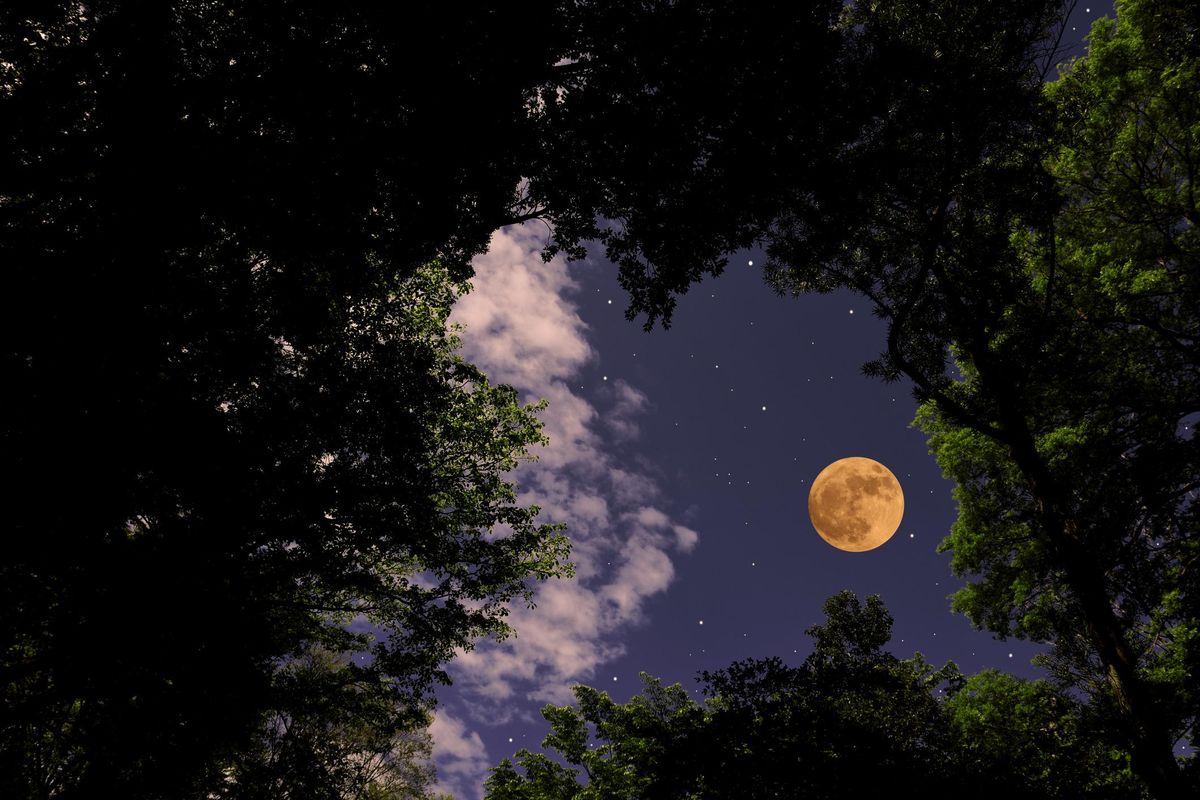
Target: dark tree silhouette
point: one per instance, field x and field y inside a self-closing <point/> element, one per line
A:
<point x="232" y="232"/>
<point x="852" y="718"/>
<point x="233" y="419"/>
<point x="1030" y="247"/>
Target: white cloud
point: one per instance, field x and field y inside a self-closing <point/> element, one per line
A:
<point x="522" y="328"/>
<point x="460" y="755"/>
<point x="630" y="403"/>
<point x="686" y="537"/>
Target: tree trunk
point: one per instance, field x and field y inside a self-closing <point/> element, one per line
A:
<point x="1150" y="744"/>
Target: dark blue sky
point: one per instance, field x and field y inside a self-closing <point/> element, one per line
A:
<point x="682" y="412"/>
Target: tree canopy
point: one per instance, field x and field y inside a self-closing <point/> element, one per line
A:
<point x="359" y="479"/>
<point x="235" y="423"/>
<point x="233" y="415"/>
<point x="850" y="719"/>
<point x="1075" y="466"/>
<point x="1031" y="248"/>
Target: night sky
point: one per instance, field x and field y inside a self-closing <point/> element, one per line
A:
<point x="680" y="460"/>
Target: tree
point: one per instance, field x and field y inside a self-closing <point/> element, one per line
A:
<point x="1032" y="251"/>
<point x="361" y="477"/>
<point x="642" y="748"/>
<point x="851" y="716"/>
<point x="336" y="737"/>
<point x="208" y="208"/>
<point x="232" y="232"/>
<point x="823" y="119"/>
<point x="1017" y="738"/>
<point x="672" y="128"/>
<point x="1076" y="471"/>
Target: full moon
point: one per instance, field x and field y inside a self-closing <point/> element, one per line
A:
<point x="856" y="504"/>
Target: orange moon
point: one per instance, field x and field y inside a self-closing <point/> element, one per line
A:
<point x="856" y="504"/>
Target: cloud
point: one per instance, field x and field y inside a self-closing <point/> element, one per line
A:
<point x="460" y="755"/>
<point x="522" y="328"/>
<point x="686" y="537"/>
<point x="622" y="419"/>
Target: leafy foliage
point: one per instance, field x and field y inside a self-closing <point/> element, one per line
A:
<point x="374" y="499"/>
<point x="1085" y="539"/>
<point x="337" y="738"/>
<point x="233" y="412"/>
<point x="850" y="719"/>
<point x="670" y="154"/>
<point x="1019" y="738"/>
<point x="235" y="424"/>
<point x="1031" y="250"/>
<point x="833" y="131"/>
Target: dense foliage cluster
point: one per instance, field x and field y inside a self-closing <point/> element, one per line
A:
<point x="852" y="718"/>
<point x="252" y="490"/>
<point x="234" y="419"/>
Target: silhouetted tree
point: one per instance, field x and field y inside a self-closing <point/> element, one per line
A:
<point x="357" y="478"/>
<point x="824" y="120"/>
<point x="850" y="719"/>
<point x="674" y="128"/>
<point x="335" y="736"/>
<point x="227" y="438"/>
<point x="1031" y="249"/>
<point x="1068" y="434"/>
<point x="1016" y="738"/>
<point x="232" y="232"/>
